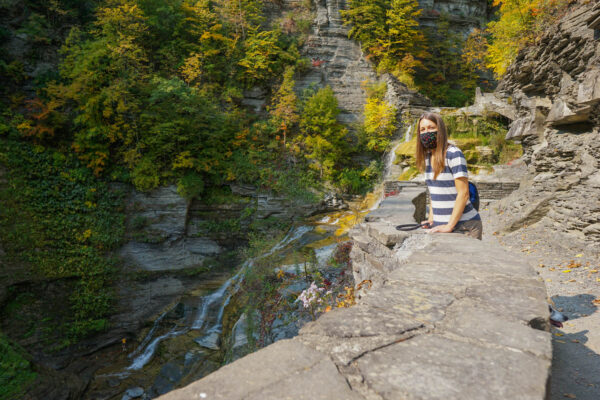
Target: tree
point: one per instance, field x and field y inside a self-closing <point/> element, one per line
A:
<point x="284" y="108"/>
<point x="264" y="57"/>
<point x="379" y="125"/>
<point x="389" y="33"/>
<point x="520" y="22"/>
<point x="368" y="21"/>
<point x="322" y="136"/>
<point x="104" y="70"/>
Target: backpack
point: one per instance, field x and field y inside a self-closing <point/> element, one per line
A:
<point x="474" y="195"/>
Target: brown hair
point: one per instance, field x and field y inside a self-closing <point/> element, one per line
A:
<point x="438" y="155"/>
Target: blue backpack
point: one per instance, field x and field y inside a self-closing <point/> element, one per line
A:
<point x="474" y="195"/>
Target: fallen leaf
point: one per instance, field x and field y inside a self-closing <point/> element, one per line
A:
<point x="541" y="265"/>
<point x="551" y="269"/>
<point x="550" y="280"/>
<point x="575" y="341"/>
<point x="597" y="279"/>
<point x="566" y="271"/>
<point x="560" y="341"/>
<point x="558" y="334"/>
<point x="593" y="271"/>
<point x="570" y="396"/>
<point x="571" y="280"/>
<point x="597" y="301"/>
<point x="579" y="255"/>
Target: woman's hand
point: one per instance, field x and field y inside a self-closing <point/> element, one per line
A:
<point x="442" y="229"/>
<point x="427" y="224"/>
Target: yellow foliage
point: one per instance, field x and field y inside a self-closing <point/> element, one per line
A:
<point x="521" y="22"/>
<point x="183" y="160"/>
<point x="380" y="123"/>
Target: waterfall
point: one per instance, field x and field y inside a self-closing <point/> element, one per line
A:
<point x="220" y="297"/>
<point x="207" y="301"/>
<point x="391" y="156"/>
<point x="148" y="352"/>
<point x="389" y="162"/>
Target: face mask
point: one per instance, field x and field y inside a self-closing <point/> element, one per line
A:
<point x="429" y="140"/>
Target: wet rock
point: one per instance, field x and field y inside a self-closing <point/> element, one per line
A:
<point x="177" y="312"/>
<point x="112" y="382"/>
<point x="170" y="374"/>
<point x="134" y="393"/>
<point x="211" y="341"/>
<point x="240" y="333"/>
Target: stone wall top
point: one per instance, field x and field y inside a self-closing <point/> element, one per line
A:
<point x="447" y="317"/>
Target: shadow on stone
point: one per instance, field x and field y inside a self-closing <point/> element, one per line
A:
<point x="577" y="306"/>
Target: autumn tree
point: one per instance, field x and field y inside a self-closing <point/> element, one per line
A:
<point x="518" y="25"/>
<point x="322" y="137"/>
<point x="379" y="125"/>
<point x="284" y="108"/>
<point x="389" y="32"/>
<point x="105" y="71"/>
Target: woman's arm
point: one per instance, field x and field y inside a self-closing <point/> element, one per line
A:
<point x="462" y="196"/>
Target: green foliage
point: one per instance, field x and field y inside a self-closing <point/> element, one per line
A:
<point x="284" y="108"/>
<point x="153" y="86"/>
<point x="60" y="220"/>
<point x="445" y="78"/>
<point x="322" y="136"/>
<point x="358" y="180"/>
<point x="389" y="32"/>
<point x="16" y="373"/>
<point x="190" y="185"/>
<point x="265" y="57"/>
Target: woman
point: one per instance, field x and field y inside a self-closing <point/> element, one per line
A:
<point x="446" y="176"/>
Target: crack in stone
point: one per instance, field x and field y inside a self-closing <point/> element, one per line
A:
<point x="383" y="346"/>
<point x="485" y="344"/>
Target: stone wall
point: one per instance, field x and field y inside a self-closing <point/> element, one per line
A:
<point x="488" y="191"/>
<point x="439" y="317"/>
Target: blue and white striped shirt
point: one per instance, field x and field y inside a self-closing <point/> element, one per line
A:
<point x="443" y="190"/>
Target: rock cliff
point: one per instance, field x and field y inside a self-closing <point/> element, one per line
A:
<point x="339" y="62"/>
<point x="552" y="95"/>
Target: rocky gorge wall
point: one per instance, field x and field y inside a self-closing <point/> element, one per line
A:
<point x="339" y="62"/>
<point x="439" y="316"/>
<point x="552" y="96"/>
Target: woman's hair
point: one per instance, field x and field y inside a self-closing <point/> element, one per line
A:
<point x="438" y="155"/>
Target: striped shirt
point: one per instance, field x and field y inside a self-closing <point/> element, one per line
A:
<point x="443" y="190"/>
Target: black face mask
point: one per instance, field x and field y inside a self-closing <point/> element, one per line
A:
<point x="429" y="140"/>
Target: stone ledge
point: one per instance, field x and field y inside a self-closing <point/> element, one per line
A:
<point x="447" y="317"/>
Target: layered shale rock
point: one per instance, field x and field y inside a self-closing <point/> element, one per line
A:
<point x="339" y="62"/>
<point x="552" y="95"/>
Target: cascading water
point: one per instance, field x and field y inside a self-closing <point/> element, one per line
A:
<point x="141" y="360"/>
<point x="219" y="298"/>
<point x="389" y="162"/>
